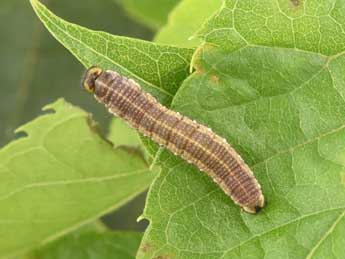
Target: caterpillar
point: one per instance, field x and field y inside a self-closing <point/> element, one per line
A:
<point x="183" y="136"/>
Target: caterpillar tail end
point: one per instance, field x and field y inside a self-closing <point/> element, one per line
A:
<point x="256" y="207"/>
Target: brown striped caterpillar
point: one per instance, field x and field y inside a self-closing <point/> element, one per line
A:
<point x="192" y="141"/>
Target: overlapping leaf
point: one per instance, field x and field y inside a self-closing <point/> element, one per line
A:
<point x="121" y="134"/>
<point x="270" y="79"/>
<point x="185" y="19"/>
<point x="92" y="245"/>
<point x="157" y="68"/>
<point x="152" y="13"/>
<point x="62" y="175"/>
<point x="36" y="69"/>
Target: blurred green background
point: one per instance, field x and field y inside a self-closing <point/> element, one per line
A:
<point x="36" y="69"/>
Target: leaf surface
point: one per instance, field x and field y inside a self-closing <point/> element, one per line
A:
<point x="92" y="245"/>
<point x="184" y="20"/>
<point x="36" y="69"/>
<point x="159" y="69"/>
<point x="121" y="134"/>
<point x="269" y="78"/>
<point x="62" y="175"/>
<point x="152" y="13"/>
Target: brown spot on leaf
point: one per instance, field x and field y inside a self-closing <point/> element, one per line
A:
<point x="214" y="79"/>
<point x="197" y="58"/>
<point x="343" y="179"/>
<point x="168" y="255"/>
<point x="146" y="247"/>
<point x="296" y="2"/>
<point x="196" y="63"/>
<point x="162" y="257"/>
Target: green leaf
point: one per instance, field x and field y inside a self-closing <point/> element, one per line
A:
<point x="270" y="79"/>
<point x="152" y="13"/>
<point x="62" y="175"/>
<point x="92" y="245"/>
<point x="33" y="64"/>
<point x="121" y="134"/>
<point x="157" y="68"/>
<point x="185" y="19"/>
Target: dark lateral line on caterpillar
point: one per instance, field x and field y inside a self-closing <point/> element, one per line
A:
<point x="194" y="142"/>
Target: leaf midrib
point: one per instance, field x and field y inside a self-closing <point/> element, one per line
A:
<point x="71" y="182"/>
<point x="311" y="140"/>
<point x="41" y="146"/>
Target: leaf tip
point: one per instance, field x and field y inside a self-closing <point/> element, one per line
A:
<point x="59" y="103"/>
<point x="34" y="4"/>
<point x="20" y="129"/>
<point x="140" y="218"/>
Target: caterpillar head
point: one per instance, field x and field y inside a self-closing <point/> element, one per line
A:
<point x="89" y="78"/>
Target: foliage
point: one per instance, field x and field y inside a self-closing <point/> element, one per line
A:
<point x="277" y="94"/>
<point x="60" y="176"/>
<point x="91" y="243"/>
<point x="267" y="76"/>
<point x="149" y="12"/>
<point x="36" y="70"/>
<point x="185" y="19"/>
